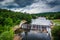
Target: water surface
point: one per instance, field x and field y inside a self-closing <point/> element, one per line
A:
<point x="37" y="35"/>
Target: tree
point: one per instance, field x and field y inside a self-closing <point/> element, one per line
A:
<point x="7" y="35"/>
<point x="8" y="21"/>
<point x="56" y="33"/>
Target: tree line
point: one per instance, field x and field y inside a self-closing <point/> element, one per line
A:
<point x="49" y="15"/>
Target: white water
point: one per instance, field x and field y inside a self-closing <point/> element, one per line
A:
<point x="41" y="21"/>
<point x="37" y="35"/>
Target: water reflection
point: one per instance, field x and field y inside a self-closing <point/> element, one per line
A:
<point x="37" y="34"/>
<point x="34" y="35"/>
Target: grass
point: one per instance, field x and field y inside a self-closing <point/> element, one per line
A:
<point x="56" y="21"/>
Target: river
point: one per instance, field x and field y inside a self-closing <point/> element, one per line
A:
<point x="36" y="35"/>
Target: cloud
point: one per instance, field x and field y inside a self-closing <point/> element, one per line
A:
<point x="8" y="4"/>
<point x="40" y="6"/>
<point x="23" y="3"/>
<point x="53" y="3"/>
<point x="31" y="6"/>
<point x="15" y="3"/>
<point x="1" y="0"/>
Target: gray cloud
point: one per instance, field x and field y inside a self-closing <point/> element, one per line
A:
<point x="23" y="3"/>
<point x="19" y="3"/>
<point x="31" y="6"/>
<point x="1" y="0"/>
<point x="54" y="3"/>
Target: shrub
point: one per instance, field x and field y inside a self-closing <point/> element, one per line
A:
<point x="8" y="21"/>
<point x="7" y="35"/>
<point x="56" y="33"/>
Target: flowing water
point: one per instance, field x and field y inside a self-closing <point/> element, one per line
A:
<point x="36" y="35"/>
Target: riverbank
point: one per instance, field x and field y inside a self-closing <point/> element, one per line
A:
<point x="56" y="21"/>
<point x="39" y="35"/>
<point x="17" y="30"/>
<point x="18" y="37"/>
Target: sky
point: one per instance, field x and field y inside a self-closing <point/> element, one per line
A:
<point x="31" y="6"/>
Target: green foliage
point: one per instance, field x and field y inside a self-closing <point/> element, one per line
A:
<point x="7" y="15"/>
<point x="18" y="21"/>
<point x="8" y="19"/>
<point x="7" y="35"/>
<point x="33" y="16"/>
<point x="4" y="28"/>
<point x="57" y="21"/>
<point x="49" y="15"/>
<point x="56" y="33"/>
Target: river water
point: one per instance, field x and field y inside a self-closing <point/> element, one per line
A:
<point x="36" y="35"/>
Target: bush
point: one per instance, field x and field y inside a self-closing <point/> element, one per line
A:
<point x="56" y="33"/>
<point x="8" y="21"/>
<point x="8" y="35"/>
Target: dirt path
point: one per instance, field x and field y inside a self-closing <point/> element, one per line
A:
<point x="17" y="37"/>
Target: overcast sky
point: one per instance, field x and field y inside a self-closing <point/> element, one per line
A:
<point x="31" y="6"/>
